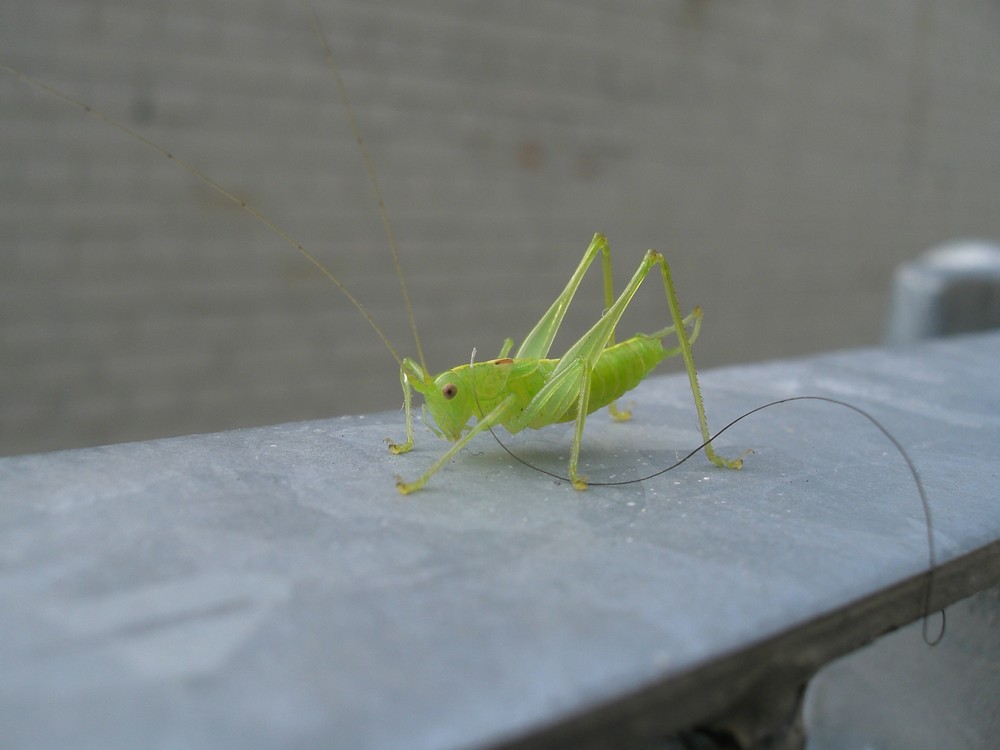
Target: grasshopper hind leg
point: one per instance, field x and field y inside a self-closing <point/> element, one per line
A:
<point x="684" y="348"/>
<point x="597" y="338"/>
<point x="571" y="381"/>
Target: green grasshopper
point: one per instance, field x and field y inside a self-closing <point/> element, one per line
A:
<point x="525" y="390"/>
<point x="528" y="390"/>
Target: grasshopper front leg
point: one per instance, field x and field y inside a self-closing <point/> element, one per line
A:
<point x="492" y="419"/>
<point x="411" y="375"/>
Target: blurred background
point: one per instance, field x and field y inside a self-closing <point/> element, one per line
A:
<point x="785" y="157"/>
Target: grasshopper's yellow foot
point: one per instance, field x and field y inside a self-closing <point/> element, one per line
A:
<point x="735" y="463"/>
<point x="579" y="483"/>
<point x="728" y="463"/>
<point x="397" y="448"/>
<point x="620" y="415"/>
<point x="405" y="488"/>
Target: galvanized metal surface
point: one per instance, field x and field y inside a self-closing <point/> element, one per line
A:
<point x="268" y="587"/>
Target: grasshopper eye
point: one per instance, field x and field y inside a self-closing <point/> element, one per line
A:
<point x="449" y="391"/>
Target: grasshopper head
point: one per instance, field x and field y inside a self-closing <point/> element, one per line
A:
<point x="449" y="400"/>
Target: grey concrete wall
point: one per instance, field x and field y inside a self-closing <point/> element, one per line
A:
<point x="785" y="157"/>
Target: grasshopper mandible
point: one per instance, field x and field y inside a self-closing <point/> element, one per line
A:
<point x="528" y="389"/>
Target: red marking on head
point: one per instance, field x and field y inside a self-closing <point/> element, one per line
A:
<point x="504" y="361"/>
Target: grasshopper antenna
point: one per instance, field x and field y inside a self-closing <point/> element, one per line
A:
<point x="370" y="169"/>
<point x="925" y="503"/>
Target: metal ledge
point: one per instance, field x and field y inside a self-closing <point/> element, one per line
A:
<point x="268" y="587"/>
